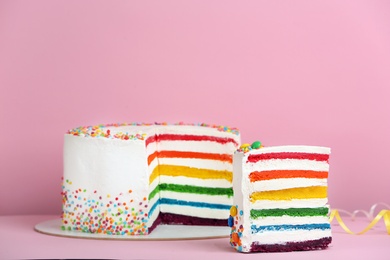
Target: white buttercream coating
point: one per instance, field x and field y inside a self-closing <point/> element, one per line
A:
<point x="210" y="183"/>
<point x="106" y="165"/>
<point x="282" y="237"/>
<point x="195" y="146"/>
<point x="285" y="204"/>
<point x="189" y="197"/>
<point x="286" y="164"/>
<point x="286" y="183"/>
<point x="292" y="149"/>
<point x="197" y="163"/>
<point x="269" y="221"/>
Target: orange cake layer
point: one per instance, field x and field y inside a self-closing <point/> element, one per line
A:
<point x="278" y="174"/>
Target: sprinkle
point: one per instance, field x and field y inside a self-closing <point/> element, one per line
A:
<point x="256" y="145"/>
<point x="105" y="131"/>
<point x="233" y="211"/>
<point x="112" y="218"/>
<point x="247" y="147"/>
<point x="230" y="221"/>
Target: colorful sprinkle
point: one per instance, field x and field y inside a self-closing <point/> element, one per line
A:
<point x="230" y="221"/>
<point x="256" y="145"/>
<point x="236" y="231"/>
<point x="249" y="147"/>
<point x="81" y="213"/>
<point x="235" y="237"/>
<point x="233" y="211"/>
<point x="101" y="131"/>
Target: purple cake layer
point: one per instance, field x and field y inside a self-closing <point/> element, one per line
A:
<point x="168" y="218"/>
<point x="155" y="224"/>
<point x="293" y="246"/>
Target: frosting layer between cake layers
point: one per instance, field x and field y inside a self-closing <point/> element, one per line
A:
<point x="280" y="199"/>
<point x="128" y="179"/>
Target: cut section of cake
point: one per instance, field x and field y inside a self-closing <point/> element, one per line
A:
<point x="280" y="199"/>
<point x="126" y="179"/>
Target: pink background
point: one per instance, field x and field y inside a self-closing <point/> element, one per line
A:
<point x="283" y="72"/>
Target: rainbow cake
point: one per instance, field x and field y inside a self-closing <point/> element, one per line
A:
<point x="125" y="179"/>
<point x="280" y="199"/>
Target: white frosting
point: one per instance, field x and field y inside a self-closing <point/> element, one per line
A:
<point x="197" y="163"/>
<point x="286" y="164"/>
<point x="182" y="180"/>
<point x="195" y="146"/>
<point x="269" y="221"/>
<point x="285" y="204"/>
<point x="153" y="164"/>
<point x="189" y="197"/>
<point x="109" y="166"/>
<point x="293" y="149"/>
<point x="286" y="183"/>
<point x="281" y="237"/>
<point x="154" y="184"/>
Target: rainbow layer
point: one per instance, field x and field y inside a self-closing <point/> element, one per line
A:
<point x="190" y="180"/>
<point x="282" y="204"/>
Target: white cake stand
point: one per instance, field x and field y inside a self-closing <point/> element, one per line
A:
<point x="161" y="232"/>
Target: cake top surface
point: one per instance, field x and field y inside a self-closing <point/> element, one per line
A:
<point x="257" y="148"/>
<point x="139" y="131"/>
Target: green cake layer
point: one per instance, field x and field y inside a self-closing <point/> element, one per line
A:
<point x="191" y="189"/>
<point x="294" y="212"/>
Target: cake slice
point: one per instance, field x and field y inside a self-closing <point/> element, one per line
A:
<point x="280" y="199"/>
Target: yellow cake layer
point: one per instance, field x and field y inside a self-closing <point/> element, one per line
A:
<point x="314" y="192"/>
<point x="172" y="170"/>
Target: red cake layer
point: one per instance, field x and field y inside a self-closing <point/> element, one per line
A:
<point x="293" y="246"/>
<point x="173" y="137"/>
<point x="268" y="156"/>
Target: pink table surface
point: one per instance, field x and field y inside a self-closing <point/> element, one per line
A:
<point x="18" y="240"/>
